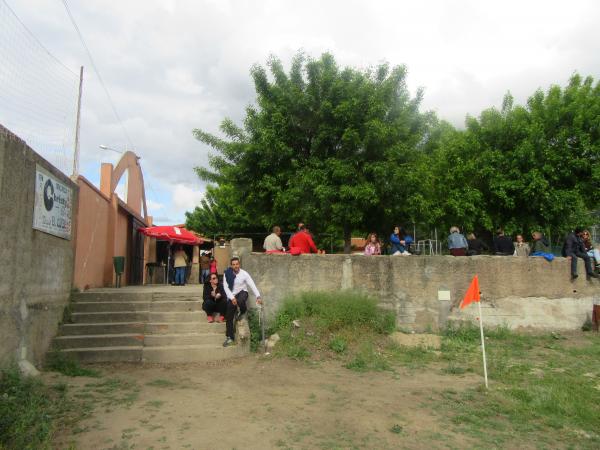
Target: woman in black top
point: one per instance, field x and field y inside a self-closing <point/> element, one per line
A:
<point x="215" y="299"/>
<point x="476" y="245"/>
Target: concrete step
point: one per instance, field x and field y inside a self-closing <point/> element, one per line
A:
<point x="163" y="340"/>
<point x="156" y="306"/>
<point x="189" y="316"/>
<point x="184" y="327"/>
<point x="99" y="340"/>
<point x="105" y="354"/>
<point x="109" y="317"/>
<point x="75" y="329"/>
<point x="117" y="295"/>
<point x="193" y="353"/>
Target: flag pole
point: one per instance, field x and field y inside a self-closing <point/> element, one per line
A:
<point x="482" y="345"/>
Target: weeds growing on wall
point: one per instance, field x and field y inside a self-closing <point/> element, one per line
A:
<point x="29" y="411"/>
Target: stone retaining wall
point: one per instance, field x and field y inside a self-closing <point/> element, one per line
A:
<point x="424" y="291"/>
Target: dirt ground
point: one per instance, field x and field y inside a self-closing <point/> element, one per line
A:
<point x="259" y="403"/>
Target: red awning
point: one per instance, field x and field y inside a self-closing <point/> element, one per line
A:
<point x="175" y="235"/>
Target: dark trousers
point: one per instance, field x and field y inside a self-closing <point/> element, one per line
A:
<point x="458" y="251"/>
<point x="586" y="260"/>
<point x="242" y="298"/>
<point x="211" y="307"/>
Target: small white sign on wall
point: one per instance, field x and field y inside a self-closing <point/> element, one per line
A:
<point x="53" y="208"/>
<point x="443" y="295"/>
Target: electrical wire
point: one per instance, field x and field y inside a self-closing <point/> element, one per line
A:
<point x="89" y="54"/>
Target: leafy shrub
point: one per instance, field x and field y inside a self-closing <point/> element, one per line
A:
<point x="336" y="310"/>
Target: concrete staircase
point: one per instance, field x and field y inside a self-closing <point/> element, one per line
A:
<point x="157" y="324"/>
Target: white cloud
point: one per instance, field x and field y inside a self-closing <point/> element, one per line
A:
<point x="153" y="206"/>
<point x="172" y="66"/>
<point x="185" y="198"/>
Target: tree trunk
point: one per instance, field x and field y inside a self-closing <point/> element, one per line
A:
<point x="347" y="240"/>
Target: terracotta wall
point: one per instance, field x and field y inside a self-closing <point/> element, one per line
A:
<point x="122" y="238"/>
<point x="91" y="249"/>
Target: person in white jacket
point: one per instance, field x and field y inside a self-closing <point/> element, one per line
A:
<point x="236" y="284"/>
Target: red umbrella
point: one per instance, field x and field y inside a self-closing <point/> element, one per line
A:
<point x="175" y="235"/>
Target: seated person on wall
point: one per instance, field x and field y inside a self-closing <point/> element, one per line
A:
<point x="590" y="249"/>
<point x="540" y="244"/>
<point x="215" y="299"/>
<point x="373" y="246"/>
<point x="503" y="245"/>
<point x="457" y="244"/>
<point x="521" y="247"/>
<point x="273" y="241"/>
<point x="574" y="248"/>
<point x="303" y="241"/>
<point x="400" y="242"/>
<point x="476" y="245"/>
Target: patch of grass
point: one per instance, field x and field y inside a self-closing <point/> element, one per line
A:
<point x="367" y="359"/>
<point x="68" y="365"/>
<point x="548" y="393"/>
<point x="160" y="382"/>
<point x="155" y="404"/>
<point x="338" y="344"/>
<point x="411" y="357"/>
<point x="396" y="429"/>
<point x="114" y="391"/>
<point x="336" y="310"/>
<point x="30" y="411"/>
<point x="344" y="325"/>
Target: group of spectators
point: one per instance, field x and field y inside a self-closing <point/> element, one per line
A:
<point x="578" y="244"/>
<point x="300" y="242"/>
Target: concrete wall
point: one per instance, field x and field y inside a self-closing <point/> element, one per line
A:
<point x="37" y="268"/>
<point x="91" y="252"/>
<point x="518" y="292"/>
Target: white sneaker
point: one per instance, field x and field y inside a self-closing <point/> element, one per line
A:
<point x="405" y="253"/>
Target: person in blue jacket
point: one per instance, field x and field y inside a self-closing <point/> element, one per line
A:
<point x="400" y="242"/>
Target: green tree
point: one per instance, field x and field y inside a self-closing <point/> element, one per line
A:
<point x="329" y="146"/>
<point x="524" y="167"/>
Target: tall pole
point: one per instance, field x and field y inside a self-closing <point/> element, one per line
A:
<point x="482" y="345"/>
<point x="77" y="127"/>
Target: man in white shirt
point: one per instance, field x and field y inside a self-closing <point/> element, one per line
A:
<point x="236" y="283"/>
<point x="273" y="241"/>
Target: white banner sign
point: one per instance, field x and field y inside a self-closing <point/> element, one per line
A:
<point x="52" y="211"/>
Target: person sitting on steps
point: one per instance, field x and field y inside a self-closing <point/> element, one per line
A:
<point x="236" y="284"/>
<point x="215" y="299"/>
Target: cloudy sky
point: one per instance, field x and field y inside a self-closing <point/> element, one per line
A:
<point x="175" y="65"/>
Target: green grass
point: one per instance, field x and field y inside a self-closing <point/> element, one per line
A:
<point x="160" y="382"/>
<point x="30" y="411"/>
<point x="343" y="325"/>
<point x="67" y="365"/>
<point x="538" y="388"/>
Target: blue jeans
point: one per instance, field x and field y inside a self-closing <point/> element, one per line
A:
<point x="180" y="275"/>
<point x="204" y="275"/>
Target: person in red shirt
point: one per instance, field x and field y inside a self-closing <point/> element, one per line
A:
<point x="303" y="241"/>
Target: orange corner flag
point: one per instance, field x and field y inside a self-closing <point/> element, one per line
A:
<point x="472" y="294"/>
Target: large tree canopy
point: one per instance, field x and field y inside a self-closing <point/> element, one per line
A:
<point x="524" y="167"/>
<point x="348" y="150"/>
<point x="324" y="145"/>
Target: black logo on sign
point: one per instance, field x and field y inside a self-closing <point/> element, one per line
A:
<point x="48" y="195"/>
